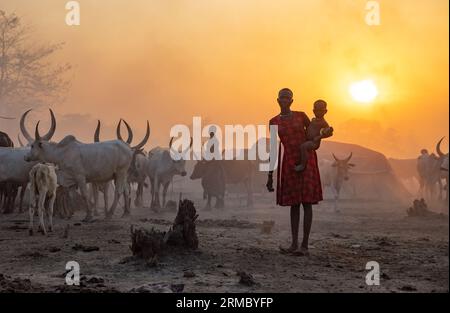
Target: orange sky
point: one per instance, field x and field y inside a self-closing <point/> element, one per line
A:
<point x="224" y="60"/>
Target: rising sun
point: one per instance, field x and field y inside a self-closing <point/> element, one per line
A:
<point x="364" y="91"/>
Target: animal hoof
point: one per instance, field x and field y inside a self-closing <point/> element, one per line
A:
<point x="127" y="214"/>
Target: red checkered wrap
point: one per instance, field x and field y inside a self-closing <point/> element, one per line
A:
<point x="294" y="188"/>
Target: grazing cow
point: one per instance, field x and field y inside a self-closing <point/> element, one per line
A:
<point x="43" y="184"/>
<point x="212" y="175"/>
<point x="333" y="175"/>
<point x="80" y="164"/>
<point x="161" y="168"/>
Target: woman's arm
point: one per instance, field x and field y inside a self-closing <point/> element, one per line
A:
<point x="306" y="120"/>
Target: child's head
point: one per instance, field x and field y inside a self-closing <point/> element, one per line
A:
<point x="320" y="108"/>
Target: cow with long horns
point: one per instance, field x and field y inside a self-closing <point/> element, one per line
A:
<point x="161" y="169"/>
<point x="13" y="168"/>
<point x="334" y="174"/>
<point x="137" y="173"/>
<point x="80" y="163"/>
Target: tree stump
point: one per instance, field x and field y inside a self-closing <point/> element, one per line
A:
<point x="183" y="231"/>
<point x="150" y="244"/>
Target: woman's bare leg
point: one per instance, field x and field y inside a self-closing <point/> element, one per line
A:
<point x="307" y="222"/>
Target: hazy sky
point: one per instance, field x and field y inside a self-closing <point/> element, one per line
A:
<point x="225" y="60"/>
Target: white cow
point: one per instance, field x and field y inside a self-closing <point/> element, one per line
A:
<point x="43" y="184"/>
<point x="13" y="167"/>
<point x="334" y="174"/>
<point x="161" y="168"/>
<point x="80" y="164"/>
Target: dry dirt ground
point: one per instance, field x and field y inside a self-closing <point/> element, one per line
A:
<point x="412" y="252"/>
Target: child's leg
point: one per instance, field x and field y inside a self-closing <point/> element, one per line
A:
<point x="304" y="148"/>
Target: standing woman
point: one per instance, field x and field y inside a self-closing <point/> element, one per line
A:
<point x="295" y="188"/>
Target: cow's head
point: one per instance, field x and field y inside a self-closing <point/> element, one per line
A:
<point x="443" y="157"/>
<point x="39" y="143"/>
<point x="179" y="158"/>
<point x="200" y="169"/>
<point x="342" y="167"/>
<point x="133" y="170"/>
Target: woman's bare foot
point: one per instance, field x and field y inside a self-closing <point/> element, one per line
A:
<point x="289" y="250"/>
<point x="302" y="252"/>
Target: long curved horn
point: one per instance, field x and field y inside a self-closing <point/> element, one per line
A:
<point x="438" y="147"/>
<point x="23" y="129"/>
<point x="336" y="159"/>
<point x="97" y="132"/>
<point x="20" y="141"/>
<point x="170" y="142"/>
<point x="144" y="141"/>
<point x="130" y="133"/>
<point x="119" y="136"/>
<point x="36" y="132"/>
<point x="52" y="129"/>
<point x="349" y="157"/>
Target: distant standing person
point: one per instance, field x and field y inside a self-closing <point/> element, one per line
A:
<point x="295" y="188"/>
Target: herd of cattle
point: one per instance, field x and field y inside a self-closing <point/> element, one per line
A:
<point x="101" y="166"/>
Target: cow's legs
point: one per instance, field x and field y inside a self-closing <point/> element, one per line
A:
<point x="166" y="185"/>
<point x="152" y="189"/>
<point x="23" y="189"/>
<point x="51" y="203"/>
<point x="106" y="197"/>
<point x="95" y="190"/>
<point x="157" y="204"/>
<point x="336" y="200"/>
<point x="84" y="192"/>
<point x="41" y="209"/>
<point x="31" y="211"/>
<point x="127" y="199"/>
<point x="208" y="203"/>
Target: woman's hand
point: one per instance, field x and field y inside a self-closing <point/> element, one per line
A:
<point x="269" y="184"/>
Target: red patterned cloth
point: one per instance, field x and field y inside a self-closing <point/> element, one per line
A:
<point x="294" y="188"/>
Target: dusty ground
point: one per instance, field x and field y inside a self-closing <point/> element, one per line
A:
<point x="412" y="252"/>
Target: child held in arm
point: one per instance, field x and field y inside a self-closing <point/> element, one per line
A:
<point x="315" y="132"/>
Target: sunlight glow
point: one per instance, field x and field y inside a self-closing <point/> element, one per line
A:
<point x="364" y="91"/>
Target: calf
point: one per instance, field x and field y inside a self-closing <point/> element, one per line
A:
<point x="42" y="184"/>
